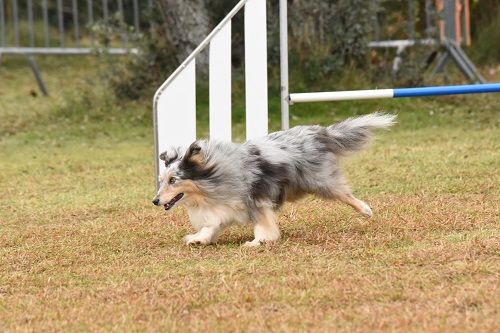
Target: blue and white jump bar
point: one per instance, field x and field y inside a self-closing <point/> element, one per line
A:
<point x="393" y="93"/>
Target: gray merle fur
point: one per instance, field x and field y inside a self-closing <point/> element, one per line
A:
<point x="281" y="166"/>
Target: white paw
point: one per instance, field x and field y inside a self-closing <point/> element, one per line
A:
<point x="367" y="211"/>
<point x="196" y="240"/>
<point x="259" y="242"/>
<point x="253" y="243"/>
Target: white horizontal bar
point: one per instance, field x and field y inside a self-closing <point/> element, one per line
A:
<point x="401" y="43"/>
<point x="66" y="50"/>
<point x="341" y="95"/>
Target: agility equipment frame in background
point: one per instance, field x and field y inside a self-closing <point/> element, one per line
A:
<point x="174" y="103"/>
<point x="43" y="38"/>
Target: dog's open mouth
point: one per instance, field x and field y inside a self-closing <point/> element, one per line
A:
<point x="172" y="202"/>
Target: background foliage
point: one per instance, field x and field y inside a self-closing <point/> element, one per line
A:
<point x="327" y="39"/>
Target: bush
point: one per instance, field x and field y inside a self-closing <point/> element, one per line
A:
<point x="138" y="74"/>
<point x="325" y="36"/>
<point x="486" y="35"/>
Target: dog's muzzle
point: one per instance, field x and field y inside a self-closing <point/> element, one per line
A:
<point x="171" y="203"/>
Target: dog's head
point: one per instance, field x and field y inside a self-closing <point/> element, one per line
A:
<point x="178" y="182"/>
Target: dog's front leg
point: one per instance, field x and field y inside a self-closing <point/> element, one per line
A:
<point x="206" y="235"/>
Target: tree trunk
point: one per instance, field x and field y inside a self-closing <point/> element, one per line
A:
<point x="187" y="23"/>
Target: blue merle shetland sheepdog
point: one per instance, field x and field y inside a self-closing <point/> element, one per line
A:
<point x="222" y="183"/>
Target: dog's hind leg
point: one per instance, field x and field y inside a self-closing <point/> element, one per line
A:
<point x="341" y="191"/>
<point x="265" y="228"/>
<point x="361" y="206"/>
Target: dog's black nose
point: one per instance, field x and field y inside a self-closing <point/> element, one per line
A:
<point x="156" y="202"/>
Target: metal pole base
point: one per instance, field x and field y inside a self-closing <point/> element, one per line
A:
<point x="38" y="76"/>
<point x="443" y="59"/>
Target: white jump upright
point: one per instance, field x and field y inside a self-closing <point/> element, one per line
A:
<point x="256" y="68"/>
<point x="178" y="101"/>
<point x="220" y="85"/>
<point x="174" y="103"/>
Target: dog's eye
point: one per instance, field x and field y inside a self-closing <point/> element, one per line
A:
<point x="172" y="181"/>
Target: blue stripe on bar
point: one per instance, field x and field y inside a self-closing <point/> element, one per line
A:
<point x="447" y="90"/>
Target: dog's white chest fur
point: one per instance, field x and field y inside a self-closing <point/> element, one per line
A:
<point x="216" y="215"/>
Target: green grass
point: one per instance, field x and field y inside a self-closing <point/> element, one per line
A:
<point x="83" y="249"/>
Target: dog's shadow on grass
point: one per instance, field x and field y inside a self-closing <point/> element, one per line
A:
<point x="233" y="239"/>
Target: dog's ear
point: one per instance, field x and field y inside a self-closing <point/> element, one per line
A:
<point x="163" y="156"/>
<point x="194" y="149"/>
<point x="194" y="154"/>
<point x="170" y="155"/>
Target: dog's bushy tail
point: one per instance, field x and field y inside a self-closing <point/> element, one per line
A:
<point x="353" y="134"/>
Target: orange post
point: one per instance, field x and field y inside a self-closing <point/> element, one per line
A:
<point x="458" y="21"/>
<point x="439" y="8"/>
<point x="468" y="40"/>
<point x="461" y="24"/>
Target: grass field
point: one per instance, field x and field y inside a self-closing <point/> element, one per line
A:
<point x="83" y="249"/>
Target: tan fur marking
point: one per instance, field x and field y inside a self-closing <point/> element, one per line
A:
<point x="193" y="194"/>
<point x="266" y="229"/>
<point x="197" y="159"/>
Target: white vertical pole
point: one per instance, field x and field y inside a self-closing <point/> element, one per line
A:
<point x="284" y="65"/>
<point x="175" y="113"/>
<point x="256" y="68"/>
<point x="220" y="84"/>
